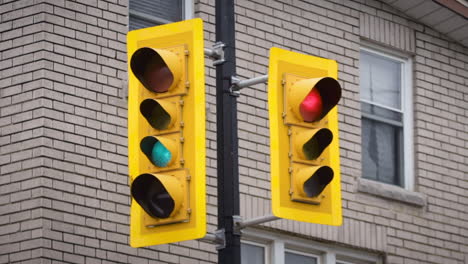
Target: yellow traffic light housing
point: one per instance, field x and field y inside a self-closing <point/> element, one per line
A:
<point x="166" y="132"/>
<point x="304" y="145"/>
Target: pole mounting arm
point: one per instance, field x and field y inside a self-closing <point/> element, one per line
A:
<point x="237" y="84"/>
<point x="254" y="221"/>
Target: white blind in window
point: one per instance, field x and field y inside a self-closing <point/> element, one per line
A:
<point x="147" y="13"/>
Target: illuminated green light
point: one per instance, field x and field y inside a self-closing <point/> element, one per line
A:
<point x="160" y="155"/>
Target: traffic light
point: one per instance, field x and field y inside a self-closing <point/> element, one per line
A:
<point x="166" y="133"/>
<point x="304" y="146"/>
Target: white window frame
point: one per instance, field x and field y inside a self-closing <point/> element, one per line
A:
<point x="187" y="13"/>
<point x="278" y="244"/>
<point x="406" y="107"/>
<point x="188" y="9"/>
<point x="345" y="262"/>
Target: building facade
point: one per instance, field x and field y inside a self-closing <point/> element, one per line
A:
<point x="403" y="66"/>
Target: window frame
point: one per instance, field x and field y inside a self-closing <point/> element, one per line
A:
<point x="406" y="97"/>
<point x="277" y="244"/>
<point x="187" y="13"/>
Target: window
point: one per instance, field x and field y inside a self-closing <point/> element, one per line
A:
<point x="252" y="253"/>
<point x="263" y="247"/>
<point x="299" y="258"/>
<point x="147" y="13"/>
<point x="386" y="117"/>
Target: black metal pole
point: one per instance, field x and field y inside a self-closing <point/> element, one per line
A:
<point x="227" y="142"/>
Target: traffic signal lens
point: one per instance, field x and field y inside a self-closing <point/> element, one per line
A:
<point x="311" y="107"/>
<point x="157" y="113"/>
<point x="151" y="69"/>
<point x="151" y="194"/>
<point x="313" y="148"/>
<point x="315" y="184"/>
<point x="160" y="155"/>
<point x="161" y="151"/>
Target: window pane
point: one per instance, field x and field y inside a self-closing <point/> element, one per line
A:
<point x="292" y="258"/>
<point x="381" y="151"/>
<point x="251" y="254"/>
<point x="171" y="10"/>
<point x="380" y="80"/>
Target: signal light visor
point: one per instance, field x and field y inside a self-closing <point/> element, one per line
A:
<point x="159" y="195"/>
<point x="312" y="181"/>
<point x="160" y="114"/>
<point x="312" y="143"/>
<point x="312" y="99"/>
<point x="156" y="69"/>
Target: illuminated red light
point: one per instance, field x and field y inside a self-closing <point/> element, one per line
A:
<point x="311" y="106"/>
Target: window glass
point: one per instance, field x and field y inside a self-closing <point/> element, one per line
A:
<point x="147" y="13"/>
<point x="381" y="150"/>
<point x="293" y="258"/>
<point x="252" y="254"/>
<point x="382" y="118"/>
<point x="380" y="80"/>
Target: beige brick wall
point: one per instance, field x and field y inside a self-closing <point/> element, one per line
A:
<point x="63" y="168"/>
<point x="420" y="226"/>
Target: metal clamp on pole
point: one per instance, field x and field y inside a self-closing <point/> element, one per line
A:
<point x="256" y="221"/>
<point x="233" y="90"/>
<point x="216" y="53"/>
<point x="237" y="220"/>
<point x="218" y="238"/>
<point x="237" y="84"/>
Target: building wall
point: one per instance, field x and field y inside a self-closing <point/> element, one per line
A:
<point x="24" y="147"/>
<point x="64" y="193"/>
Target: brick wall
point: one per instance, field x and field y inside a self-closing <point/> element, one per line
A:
<point x="424" y="225"/>
<point x="23" y="154"/>
<point x="63" y="186"/>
